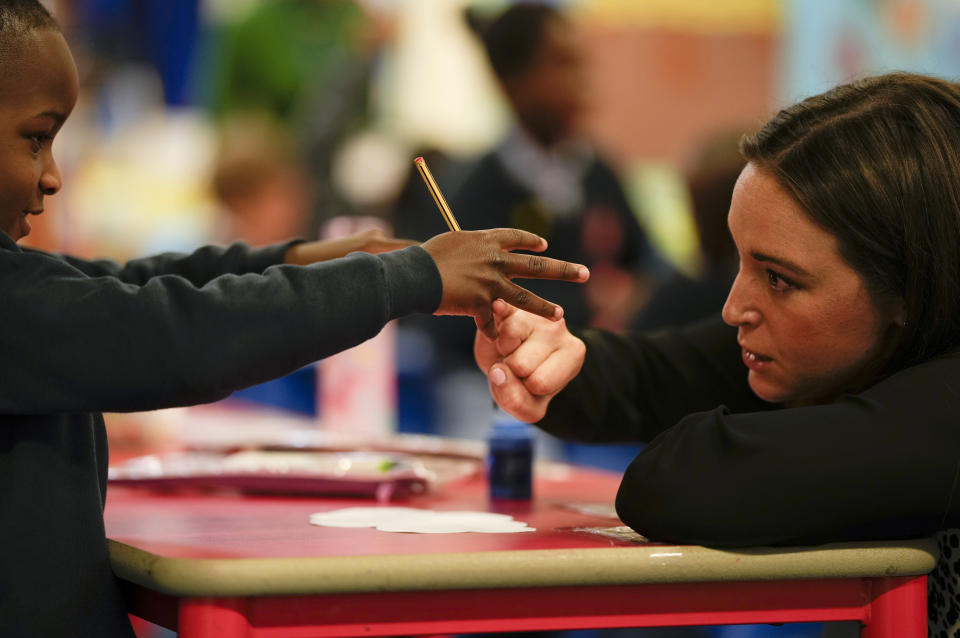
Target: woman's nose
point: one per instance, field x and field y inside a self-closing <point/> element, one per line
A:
<point x="738" y="310"/>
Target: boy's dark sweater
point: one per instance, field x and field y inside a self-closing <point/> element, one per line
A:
<point x="81" y="337"/>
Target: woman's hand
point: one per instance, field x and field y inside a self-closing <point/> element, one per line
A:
<point x="368" y="241"/>
<point x="476" y="268"/>
<point x="529" y="362"/>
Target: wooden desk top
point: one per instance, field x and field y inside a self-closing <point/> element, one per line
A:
<point x="227" y="545"/>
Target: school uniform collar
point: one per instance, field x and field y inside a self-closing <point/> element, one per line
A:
<point x="7" y="243"/>
<point x="554" y="175"/>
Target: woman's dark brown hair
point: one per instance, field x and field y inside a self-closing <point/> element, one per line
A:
<point x="877" y="164"/>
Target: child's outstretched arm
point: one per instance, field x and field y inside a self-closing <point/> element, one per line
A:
<point x="209" y="262"/>
<point x="91" y="336"/>
<point x="371" y="241"/>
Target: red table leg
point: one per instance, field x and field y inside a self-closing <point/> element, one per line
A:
<point x="898" y="610"/>
<point x="887" y="608"/>
<point x="212" y="618"/>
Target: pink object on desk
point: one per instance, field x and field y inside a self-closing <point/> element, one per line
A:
<point x="381" y="476"/>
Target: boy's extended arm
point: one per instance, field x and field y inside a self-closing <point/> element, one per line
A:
<point x="70" y="342"/>
<point x="198" y="267"/>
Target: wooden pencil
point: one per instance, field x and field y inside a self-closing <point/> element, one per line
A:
<point x="436" y="194"/>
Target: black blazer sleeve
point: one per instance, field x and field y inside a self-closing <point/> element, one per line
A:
<point x="633" y="387"/>
<point x="878" y="465"/>
<point x="724" y="468"/>
<point x="71" y="341"/>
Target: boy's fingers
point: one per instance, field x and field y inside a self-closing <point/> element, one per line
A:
<point x="523" y="298"/>
<point x="516" y="239"/>
<point x="538" y="267"/>
<point x="533" y="266"/>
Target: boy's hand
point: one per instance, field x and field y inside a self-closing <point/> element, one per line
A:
<point x="529" y="362"/>
<point x="369" y="241"/>
<point x="476" y="268"/>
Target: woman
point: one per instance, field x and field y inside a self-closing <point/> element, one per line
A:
<point x="825" y="410"/>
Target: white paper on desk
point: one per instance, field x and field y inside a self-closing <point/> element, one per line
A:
<point x="409" y="519"/>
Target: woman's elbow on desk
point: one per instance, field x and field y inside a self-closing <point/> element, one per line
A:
<point x="673" y="506"/>
<point x="665" y="518"/>
<point x="651" y="511"/>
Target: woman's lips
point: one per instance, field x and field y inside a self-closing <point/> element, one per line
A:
<point x="754" y="361"/>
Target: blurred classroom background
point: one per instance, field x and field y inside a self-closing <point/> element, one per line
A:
<point x="261" y="120"/>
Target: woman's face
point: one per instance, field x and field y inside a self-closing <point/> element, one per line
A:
<point x="808" y="328"/>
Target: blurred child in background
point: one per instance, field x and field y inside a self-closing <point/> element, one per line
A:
<point x="545" y="177"/>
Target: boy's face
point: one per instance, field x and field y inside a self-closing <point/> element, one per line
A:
<point x="38" y="89"/>
<point x="549" y="96"/>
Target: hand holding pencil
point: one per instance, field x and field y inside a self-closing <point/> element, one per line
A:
<point x="477" y="268"/>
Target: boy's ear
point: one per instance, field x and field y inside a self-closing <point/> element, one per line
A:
<point x="900" y="313"/>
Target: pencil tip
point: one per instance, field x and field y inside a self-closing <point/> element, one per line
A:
<point x="419" y="160"/>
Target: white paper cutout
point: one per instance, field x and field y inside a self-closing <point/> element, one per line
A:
<point x="409" y="519"/>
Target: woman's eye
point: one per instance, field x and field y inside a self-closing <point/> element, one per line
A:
<point x="778" y="282"/>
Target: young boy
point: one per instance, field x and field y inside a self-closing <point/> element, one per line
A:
<point x="80" y="337"/>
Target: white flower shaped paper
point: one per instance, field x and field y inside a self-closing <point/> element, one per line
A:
<point x="409" y="519"/>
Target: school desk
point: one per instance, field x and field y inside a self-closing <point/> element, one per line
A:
<point x="218" y="565"/>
